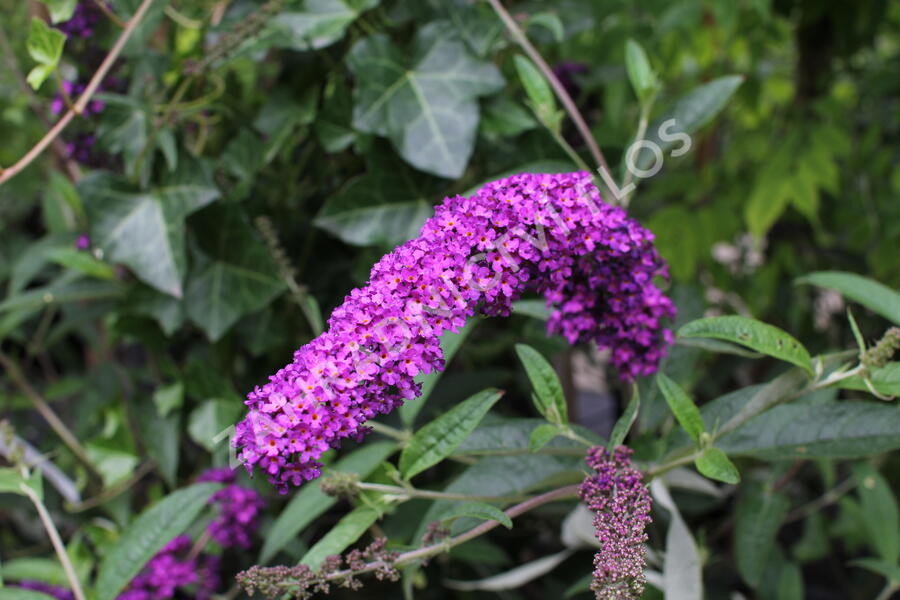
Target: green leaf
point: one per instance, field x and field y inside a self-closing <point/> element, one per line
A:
<point x="349" y="529"/>
<point x="168" y="397"/>
<point x="38" y="569"/>
<point x="15" y="593"/>
<point x="114" y="462"/>
<point x="885" y="380"/>
<point x="536" y="309"/>
<point x="155" y="528"/>
<point x="45" y="46"/>
<point x="309" y="503"/>
<point x="682" y="570"/>
<point x="60" y="10"/>
<point x="210" y="419"/>
<point x="503" y="436"/>
<point x="82" y="261"/>
<point x="424" y="99"/>
<point x="682" y="407"/>
<point x="450" y="344"/>
<point x="691" y="112"/>
<point x="386" y="206"/>
<point x="873" y="295"/>
<point x="549" y="398"/>
<point x="880" y="512"/>
<point x="438" y="439"/>
<point x="640" y="73"/>
<point x="320" y="23"/>
<point x="12" y="480"/>
<point x="543" y="102"/>
<point x="143" y="230"/>
<point x="515" y="577"/>
<point x="847" y="429"/>
<point x="759" y="517"/>
<point x="714" y="464"/>
<point x="624" y="423"/>
<point x="889" y="571"/>
<point x="234" y="273"/>
<point x="162" y="437"/>
<point x="754" y="334"/>
<point x="477" y="510"/>
<point x="542" y="435"/>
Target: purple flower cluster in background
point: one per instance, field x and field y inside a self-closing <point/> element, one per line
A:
<point x="239" y="509"/>
<point x="549" y="234"/>
<point x="617" y="496"/>
<point x="55" y="591"/>
<point x="172" y="570"/>
<point x="74" y="89"/>
<point x="84" y="20"/>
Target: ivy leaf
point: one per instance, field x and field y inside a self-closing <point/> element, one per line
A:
<point x="691" y="112"/>
<point x="320" y="23"/>
<point x="45" y="46"/>
<point x="714" y="464"/>
<point x="759" y="517"/>
<point x="753" y="334"/>
<point x="873" y="295"/>
<point x="143" y="230"/>
<point x="425" y="104"/>
<point x="234" y="273"/>
<point x="548" y="396"/>
<point x="309" y="503"/>
<point x="477" y="510"/>
<point x="60" y="10"/>
<point x="837" y="430"/>
<point x="439" y="438"/>
<point x="12" y="480"/>
<point x="386" y="206"/>
<point x="210" y="419"/>
<point x="682" y="406"/>
<point x="155" y="528"/>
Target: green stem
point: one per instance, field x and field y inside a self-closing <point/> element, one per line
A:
<point x="55" y="540"/>
<point x="638" y="138"/>
<point x="387" y="430"/>
<point x="561" y="93"/>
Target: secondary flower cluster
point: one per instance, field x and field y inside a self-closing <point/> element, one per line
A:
<point x="54" y="591"/>
<point x="84" y="20"/>
<point x="173" y="570"/>
<point x="239" y="509"/>
<point x="616" y="495"/>
<point x="549" y="234"/>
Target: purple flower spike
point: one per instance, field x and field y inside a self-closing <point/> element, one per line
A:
<point x="239" y="508"/>
<point x="621" y="505"/>
<point x="549" y="234"/>
<point x="167" y="573"/>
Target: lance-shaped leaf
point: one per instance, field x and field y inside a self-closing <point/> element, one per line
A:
<point x="477" y="510"/>
<point x="437" y="440"/>
<point x="624" y="423"/>
<point x="424" y="99"/>
<point x="682" y="407"/>
<point x="754" y="334"/>
<point x="155" y="528"/>
<point x="714" y="464"/>
<point x="548" y="393"/>
<point x="759" y="517"/>
<point x="143" y="230"/>
<point x="349" y="529"/>
<point x="873" y="295"/>
<point x="640" y="73"/>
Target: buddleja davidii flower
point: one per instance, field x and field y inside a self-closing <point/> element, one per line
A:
<point x="545" y="233"/>
<point x="238" y="510"/>
<point x="172" y="571"/>
<point x="54" y="591"/>
<point x="621" y="504"/>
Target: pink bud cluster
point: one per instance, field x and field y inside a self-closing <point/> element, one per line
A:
<point x="549" y="234"/>
<point x="617" y="496"/>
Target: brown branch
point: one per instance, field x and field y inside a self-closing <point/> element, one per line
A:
<point x="81" y="103"/>
<point x="101" y="4"/>
<point x="18" y="378"/>
<point x="59" y="148"/>
<point x="558" y="87"/>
